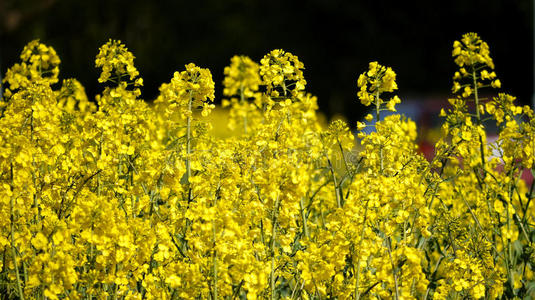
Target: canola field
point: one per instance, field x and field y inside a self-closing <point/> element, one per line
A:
<point x="120" y="198"/>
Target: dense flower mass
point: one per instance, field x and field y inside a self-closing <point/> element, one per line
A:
<point x="121" y="199"/>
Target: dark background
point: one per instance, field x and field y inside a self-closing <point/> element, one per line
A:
<point x="335" y="40"/>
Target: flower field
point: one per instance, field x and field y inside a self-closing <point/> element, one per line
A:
<point x="121" y="199"/>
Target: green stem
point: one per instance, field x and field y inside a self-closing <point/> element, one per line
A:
<point x="478" y="116"/>
<point x="99" y="156"/>
<point x="389" y="244"/>
<point x="303" y="217"/>
<point x="188" y="144"/>
<point x="214" y="232"/>
<point x="336" y="187"/>
<point x="377" y="119"/>
<point x="242" y="101"/>
<point x="377" y="107"/>
<point x="13" y="250"/>
<point x="273" y="237"/>
<point x="433" y="275"/>
<point x="509" y="248"/>
<point x="476" y="98"/>
<point x="357" y="293"/>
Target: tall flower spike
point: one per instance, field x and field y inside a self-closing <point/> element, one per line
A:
<point x="374" y="82"/>
<point x="241" y="85"/>
<point x="242" y="76"/>
<point x="117" y="63"/>
<point x="282" y="74"/>
<point x="188" y="90"/>
<point x="39" y="63"/>
<point x="472" y="55"/>
<point x="72" y="97"/>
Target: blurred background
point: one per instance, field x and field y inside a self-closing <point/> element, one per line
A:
<point x="335" y="39"/>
